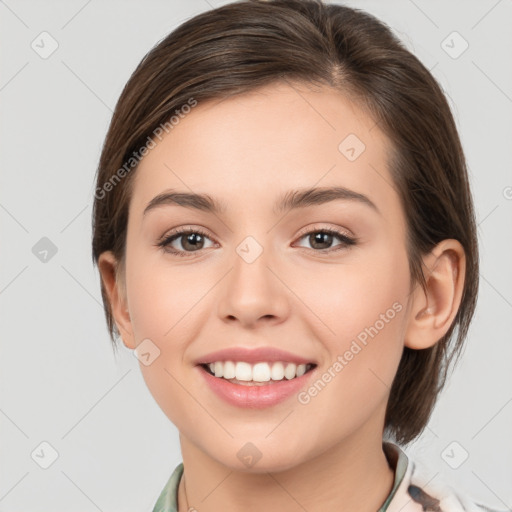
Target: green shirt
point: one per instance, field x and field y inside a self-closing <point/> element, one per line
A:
<point x="409" y="492"/>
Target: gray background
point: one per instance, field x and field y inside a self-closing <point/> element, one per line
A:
<point x="60" y="381"/>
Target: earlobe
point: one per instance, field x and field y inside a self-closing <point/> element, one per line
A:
<point x="115" y="289"/>
<point x="434" y="309"/>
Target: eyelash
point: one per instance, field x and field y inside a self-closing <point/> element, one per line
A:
<point x="167" y="240"/>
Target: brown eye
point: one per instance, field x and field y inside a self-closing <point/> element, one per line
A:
<point x="321" y="240"/>
<point x="184" y="241"/>
<point x="191" y="241"/>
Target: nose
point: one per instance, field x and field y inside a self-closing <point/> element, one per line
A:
<point x="252" y="293"/>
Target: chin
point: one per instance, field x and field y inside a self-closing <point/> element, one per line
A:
<point x="250" y="459"/>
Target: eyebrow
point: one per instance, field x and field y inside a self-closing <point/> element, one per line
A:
<point x="293" y="199"/>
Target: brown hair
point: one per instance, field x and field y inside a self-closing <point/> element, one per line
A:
<point x="243" y="45"/>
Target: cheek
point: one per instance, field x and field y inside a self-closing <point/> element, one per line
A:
<point x="162" y="294"/>
<point x="162" y="310"/>
<point x="365" y="315"/>
<point x="351" y="296"/>
<point x="166" y="385"/>
<point x="361" y="307"/>
<point x="167" y="304"/>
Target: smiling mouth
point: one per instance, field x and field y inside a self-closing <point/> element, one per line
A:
<point x="260" y="374"/>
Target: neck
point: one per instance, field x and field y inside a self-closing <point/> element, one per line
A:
<point x="350" y="476"/>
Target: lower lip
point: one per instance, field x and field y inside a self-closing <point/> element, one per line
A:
<point x="256" y="396"/>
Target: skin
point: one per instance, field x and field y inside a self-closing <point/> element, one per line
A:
<point x="246" y="151"/>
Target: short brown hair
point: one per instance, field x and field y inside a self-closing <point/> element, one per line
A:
<point x="244" y="45"/>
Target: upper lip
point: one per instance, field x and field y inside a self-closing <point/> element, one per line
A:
<point x="253" y="355"/>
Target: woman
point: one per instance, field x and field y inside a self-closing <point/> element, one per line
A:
<point x="286" y="237"/>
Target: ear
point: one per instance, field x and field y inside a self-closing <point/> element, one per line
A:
<point x="114" y="284"/>
<point x="433" y="311"/>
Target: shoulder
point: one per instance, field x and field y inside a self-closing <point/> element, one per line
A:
<point x="420" y="491"/>
<point x="443" y="498"/>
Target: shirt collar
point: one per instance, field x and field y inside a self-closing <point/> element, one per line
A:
<point x="399" y="463"/>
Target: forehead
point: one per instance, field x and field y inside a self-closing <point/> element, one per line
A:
<point x="249" y="148"/>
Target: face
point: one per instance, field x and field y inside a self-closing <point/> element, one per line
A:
<point x="324" y="279"/>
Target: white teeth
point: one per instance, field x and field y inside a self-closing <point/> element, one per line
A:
<point x="290" y="371"/>
<point x="229" y="370"/>
<point x="218" y="369"/>
<point x="259" y="372"/>
<point x="243" y="371"/>
<point x="277" y="371"/>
